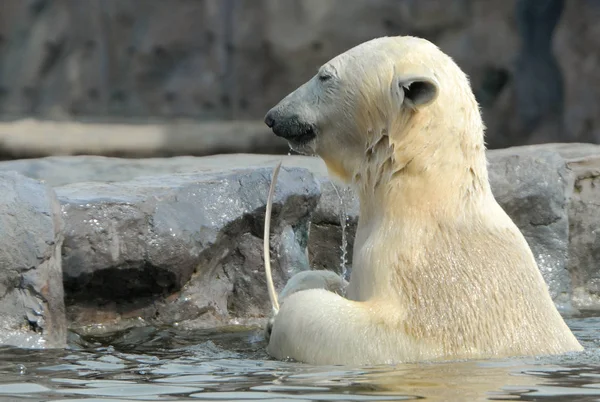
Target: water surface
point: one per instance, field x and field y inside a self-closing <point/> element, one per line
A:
<point x="153" y="364"/>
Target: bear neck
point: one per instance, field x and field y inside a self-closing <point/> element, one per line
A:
<point x="414" y="199"/>
<point x="418" y="168"/>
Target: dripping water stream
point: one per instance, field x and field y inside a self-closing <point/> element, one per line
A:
<point x="342" y="193"/>
<point x="343" y="214"/>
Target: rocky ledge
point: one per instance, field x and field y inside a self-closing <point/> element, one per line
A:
<point x="178" y="241"/>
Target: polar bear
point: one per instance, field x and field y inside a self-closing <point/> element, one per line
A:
<point x="440" y="271"/>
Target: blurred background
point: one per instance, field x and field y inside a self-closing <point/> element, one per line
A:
<point x="195" y="77"/>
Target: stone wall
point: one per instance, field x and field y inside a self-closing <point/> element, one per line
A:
<point x="233" y="59"/>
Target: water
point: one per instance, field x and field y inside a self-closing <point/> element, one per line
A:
<point x="343" y="213"/>
<point x="152" y="364"/>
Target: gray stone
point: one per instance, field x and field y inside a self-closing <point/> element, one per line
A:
<point x="583" y="161"/>
<point x="217" y="60"/>
<point x="181" y="248"/>
<point x="61" y="170"/>
<point x="32" y="312"/>
<point x="583" y="209"/>
<point x="532" y="186"/>
<point x="333" y="228"/>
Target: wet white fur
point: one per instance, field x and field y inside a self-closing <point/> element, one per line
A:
<point x="439" y="270"/>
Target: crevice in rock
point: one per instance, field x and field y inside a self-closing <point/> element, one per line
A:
<point x="120" y="284"/>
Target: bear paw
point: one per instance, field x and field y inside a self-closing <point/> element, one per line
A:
<point x="318" y="279"/>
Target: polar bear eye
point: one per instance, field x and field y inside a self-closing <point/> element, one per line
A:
<point x="323" y="77"/>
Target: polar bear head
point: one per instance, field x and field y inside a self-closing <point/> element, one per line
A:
<point x="384" y="108"/>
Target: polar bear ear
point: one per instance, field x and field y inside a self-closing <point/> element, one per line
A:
<point x="419" y="91"/>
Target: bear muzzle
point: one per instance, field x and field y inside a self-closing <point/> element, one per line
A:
<point x="292" y="128"/>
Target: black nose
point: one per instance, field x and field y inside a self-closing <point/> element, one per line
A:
<point x="269" y="120"/>
<point x="291" y="127"/>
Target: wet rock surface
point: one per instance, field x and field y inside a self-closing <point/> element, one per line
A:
<point x="582" y="206"/>
<point x="333" y="228"/>
<point x="179" y="241"/>
<point x="61" y="170"/>
<point x="32" y="311"/>
<point x="188" y="246"/>
<point x="532" y="186"/>
<point x="584" y="223"/>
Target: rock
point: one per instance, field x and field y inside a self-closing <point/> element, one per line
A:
<point x="325" y="233"/>
<point x="577" y="31"/>
<point x="532" y="186"/>
<point x="583" y="161"/>
<point x="538" y="82"/>
<point x="61" y="170"/>
<point x="333" y="228"/>
<point x="32" y="311"/>
<point x="181" y="248"/>
<point x="113" y="58"/>
<point x="233" y="60"/>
